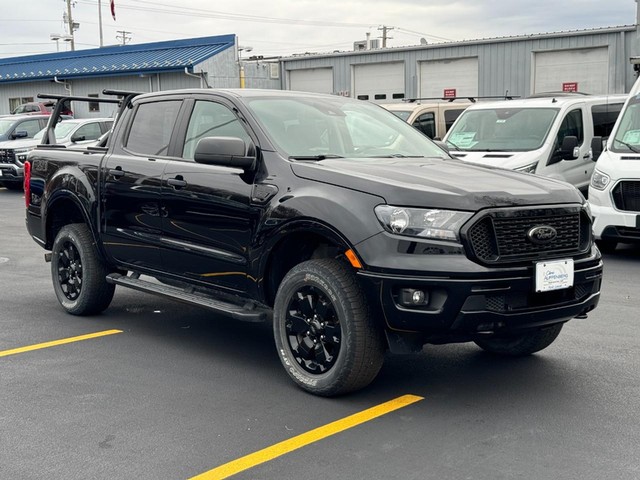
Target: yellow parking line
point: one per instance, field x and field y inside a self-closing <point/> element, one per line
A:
<point x="286" y="446"/>
<point x="54" y="343"/>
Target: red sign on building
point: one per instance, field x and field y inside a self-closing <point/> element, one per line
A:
<point x="449" y="93"/>
<point x="570" y="87"/>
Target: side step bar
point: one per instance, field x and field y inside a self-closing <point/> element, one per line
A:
<point x="237" y="312"/>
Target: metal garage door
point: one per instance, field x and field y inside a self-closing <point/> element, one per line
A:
<point x="458" y="75"/>
<point x="379" y="82"/>
<point x="585" y="68"/>
<point x="318" y="80"/>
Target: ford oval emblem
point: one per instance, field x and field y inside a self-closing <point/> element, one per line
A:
<point x="542" y="234"/>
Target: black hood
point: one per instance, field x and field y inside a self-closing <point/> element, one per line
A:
<point x="437" y="183"/>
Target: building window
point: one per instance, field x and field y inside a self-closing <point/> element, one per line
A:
<point x="94" y="106"/>
<point x="15" y="102"/>
<point x="274" y="71"/>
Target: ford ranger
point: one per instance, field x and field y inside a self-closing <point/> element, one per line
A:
<point x="332" y="218"/>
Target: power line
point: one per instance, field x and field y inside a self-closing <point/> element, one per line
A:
<point x="200" y="13"/>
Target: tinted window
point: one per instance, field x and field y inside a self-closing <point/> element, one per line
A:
<point x="90" y="131"/>
<point x="604" y="117"/>
<point x="426" y="123"/>
<point x="450" y="116"/>
<point x="30" y="126"/>
<point x="152" y="127"/>
<point x="571" y="126"/>
<point x="211" y="119"/>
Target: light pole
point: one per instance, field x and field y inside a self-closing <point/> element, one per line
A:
<point x="240" y="65"/>
<point x="57" y="37"/>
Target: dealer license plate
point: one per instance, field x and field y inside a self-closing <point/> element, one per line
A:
<point x="554" y="275"/>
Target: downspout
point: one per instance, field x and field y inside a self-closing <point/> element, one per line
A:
<point x="200" y="77"/>
<point x="67" y="85"/>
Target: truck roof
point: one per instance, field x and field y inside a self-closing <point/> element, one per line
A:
<point x="556" y="101"/>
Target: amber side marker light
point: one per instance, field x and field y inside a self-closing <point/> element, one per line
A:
<point x="353" y="259"/>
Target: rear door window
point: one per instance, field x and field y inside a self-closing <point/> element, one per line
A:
<point x="152" y="127"/>
<point x="426" y="123"/>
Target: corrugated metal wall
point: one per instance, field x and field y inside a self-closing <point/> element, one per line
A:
<point x="504" y="64"/>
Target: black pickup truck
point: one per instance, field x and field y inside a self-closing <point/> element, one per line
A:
<point x="330" y="217"/>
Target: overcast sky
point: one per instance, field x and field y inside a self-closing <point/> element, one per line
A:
<point x="285" y="27"/>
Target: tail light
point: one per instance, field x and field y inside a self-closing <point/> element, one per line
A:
<point x="27" y="183"/>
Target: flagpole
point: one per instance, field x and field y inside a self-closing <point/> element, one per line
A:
<point x="100" y="20"/>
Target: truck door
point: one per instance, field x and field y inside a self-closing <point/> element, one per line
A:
<point x="209" y="220"/>
<point x="131" y="175"/>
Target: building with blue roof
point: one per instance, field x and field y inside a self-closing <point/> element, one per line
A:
<point x="187" y="63"/>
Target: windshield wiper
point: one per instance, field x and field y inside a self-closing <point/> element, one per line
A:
<point x="314" y="157"/>
<point x="456" y="147"/>
<point x="630" y="147"/>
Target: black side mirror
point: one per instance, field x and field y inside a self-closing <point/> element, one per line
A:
<point x="225" y="152"/>
<point x="78" y="138"/>
<point x="569" y="149"/>
<point x="596" y="148"/>
<point x="20" y="134"/>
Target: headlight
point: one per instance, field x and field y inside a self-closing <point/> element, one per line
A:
<point x="21" y="153"/>
<point x="599" y="180"/>
<point x="531" y="168"/>
<point x="419" y="222"/>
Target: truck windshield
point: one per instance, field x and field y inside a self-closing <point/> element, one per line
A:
<point x="307" y="127"/>
<point x="627" y="137"/>
<point x="403" y="114"/>
<point x="501" y="129"/>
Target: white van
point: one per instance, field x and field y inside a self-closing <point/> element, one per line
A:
<point x="431" y="118"/>
<point x="546" y="134"/>
<point x="614" y="192"/>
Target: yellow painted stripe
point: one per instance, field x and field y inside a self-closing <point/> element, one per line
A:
<point x="55" y="343"/>
<point x="287" y="446"/>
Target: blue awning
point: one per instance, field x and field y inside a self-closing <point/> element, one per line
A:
<point x="156" y="57"/>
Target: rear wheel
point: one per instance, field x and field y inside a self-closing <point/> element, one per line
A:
<point x="78" y="272"/>
<point x="327" y="340"/>
<point x="520" y="345"/>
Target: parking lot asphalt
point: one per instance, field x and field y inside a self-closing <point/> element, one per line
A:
<point x="152" y="389"/>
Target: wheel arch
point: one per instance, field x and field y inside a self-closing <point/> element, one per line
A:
<point x="63" y="209"/>
<point x="293" y="244"/>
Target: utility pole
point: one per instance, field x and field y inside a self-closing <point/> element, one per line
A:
<point x="385" y="29"/>
<point x="124" y="36"/>
<point x="71" y="25"/>
<point x="100" y="21"/>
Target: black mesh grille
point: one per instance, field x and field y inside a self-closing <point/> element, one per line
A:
<point x="501" y="238"/>
<point x="626" y="196"/>
<point x="7" y="156"/>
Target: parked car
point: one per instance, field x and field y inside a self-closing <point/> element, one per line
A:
<point x="329" y="217"/>
<point x="38" y="108"/>
<point x="547" y="135"/>
<point x="431" y="118"/>
<point x="614" y="192"/>
<point x="67" y="132"/>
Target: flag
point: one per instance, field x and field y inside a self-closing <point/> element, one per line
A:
<point x="113" y="9"/>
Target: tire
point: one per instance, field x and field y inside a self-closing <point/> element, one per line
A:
<point x="607" y="246"/>
<point x="13" y="186"/>
<point x="521" y="345"/>
<point x="327" y="341"/>
<point x="78" y="273"/>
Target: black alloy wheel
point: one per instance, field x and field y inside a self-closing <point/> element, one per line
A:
<point x="70" y="271"/>
<point x="313" y="330"/>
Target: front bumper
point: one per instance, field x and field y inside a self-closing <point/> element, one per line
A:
<point x="467" y="299"/>
<point x="612" y="224"/>
<point x="11" y="173"/>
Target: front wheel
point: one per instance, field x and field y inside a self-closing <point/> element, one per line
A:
<point x="326" y="338"/>
<point x="520" y="345"/>
<point x="78" y="272"/>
